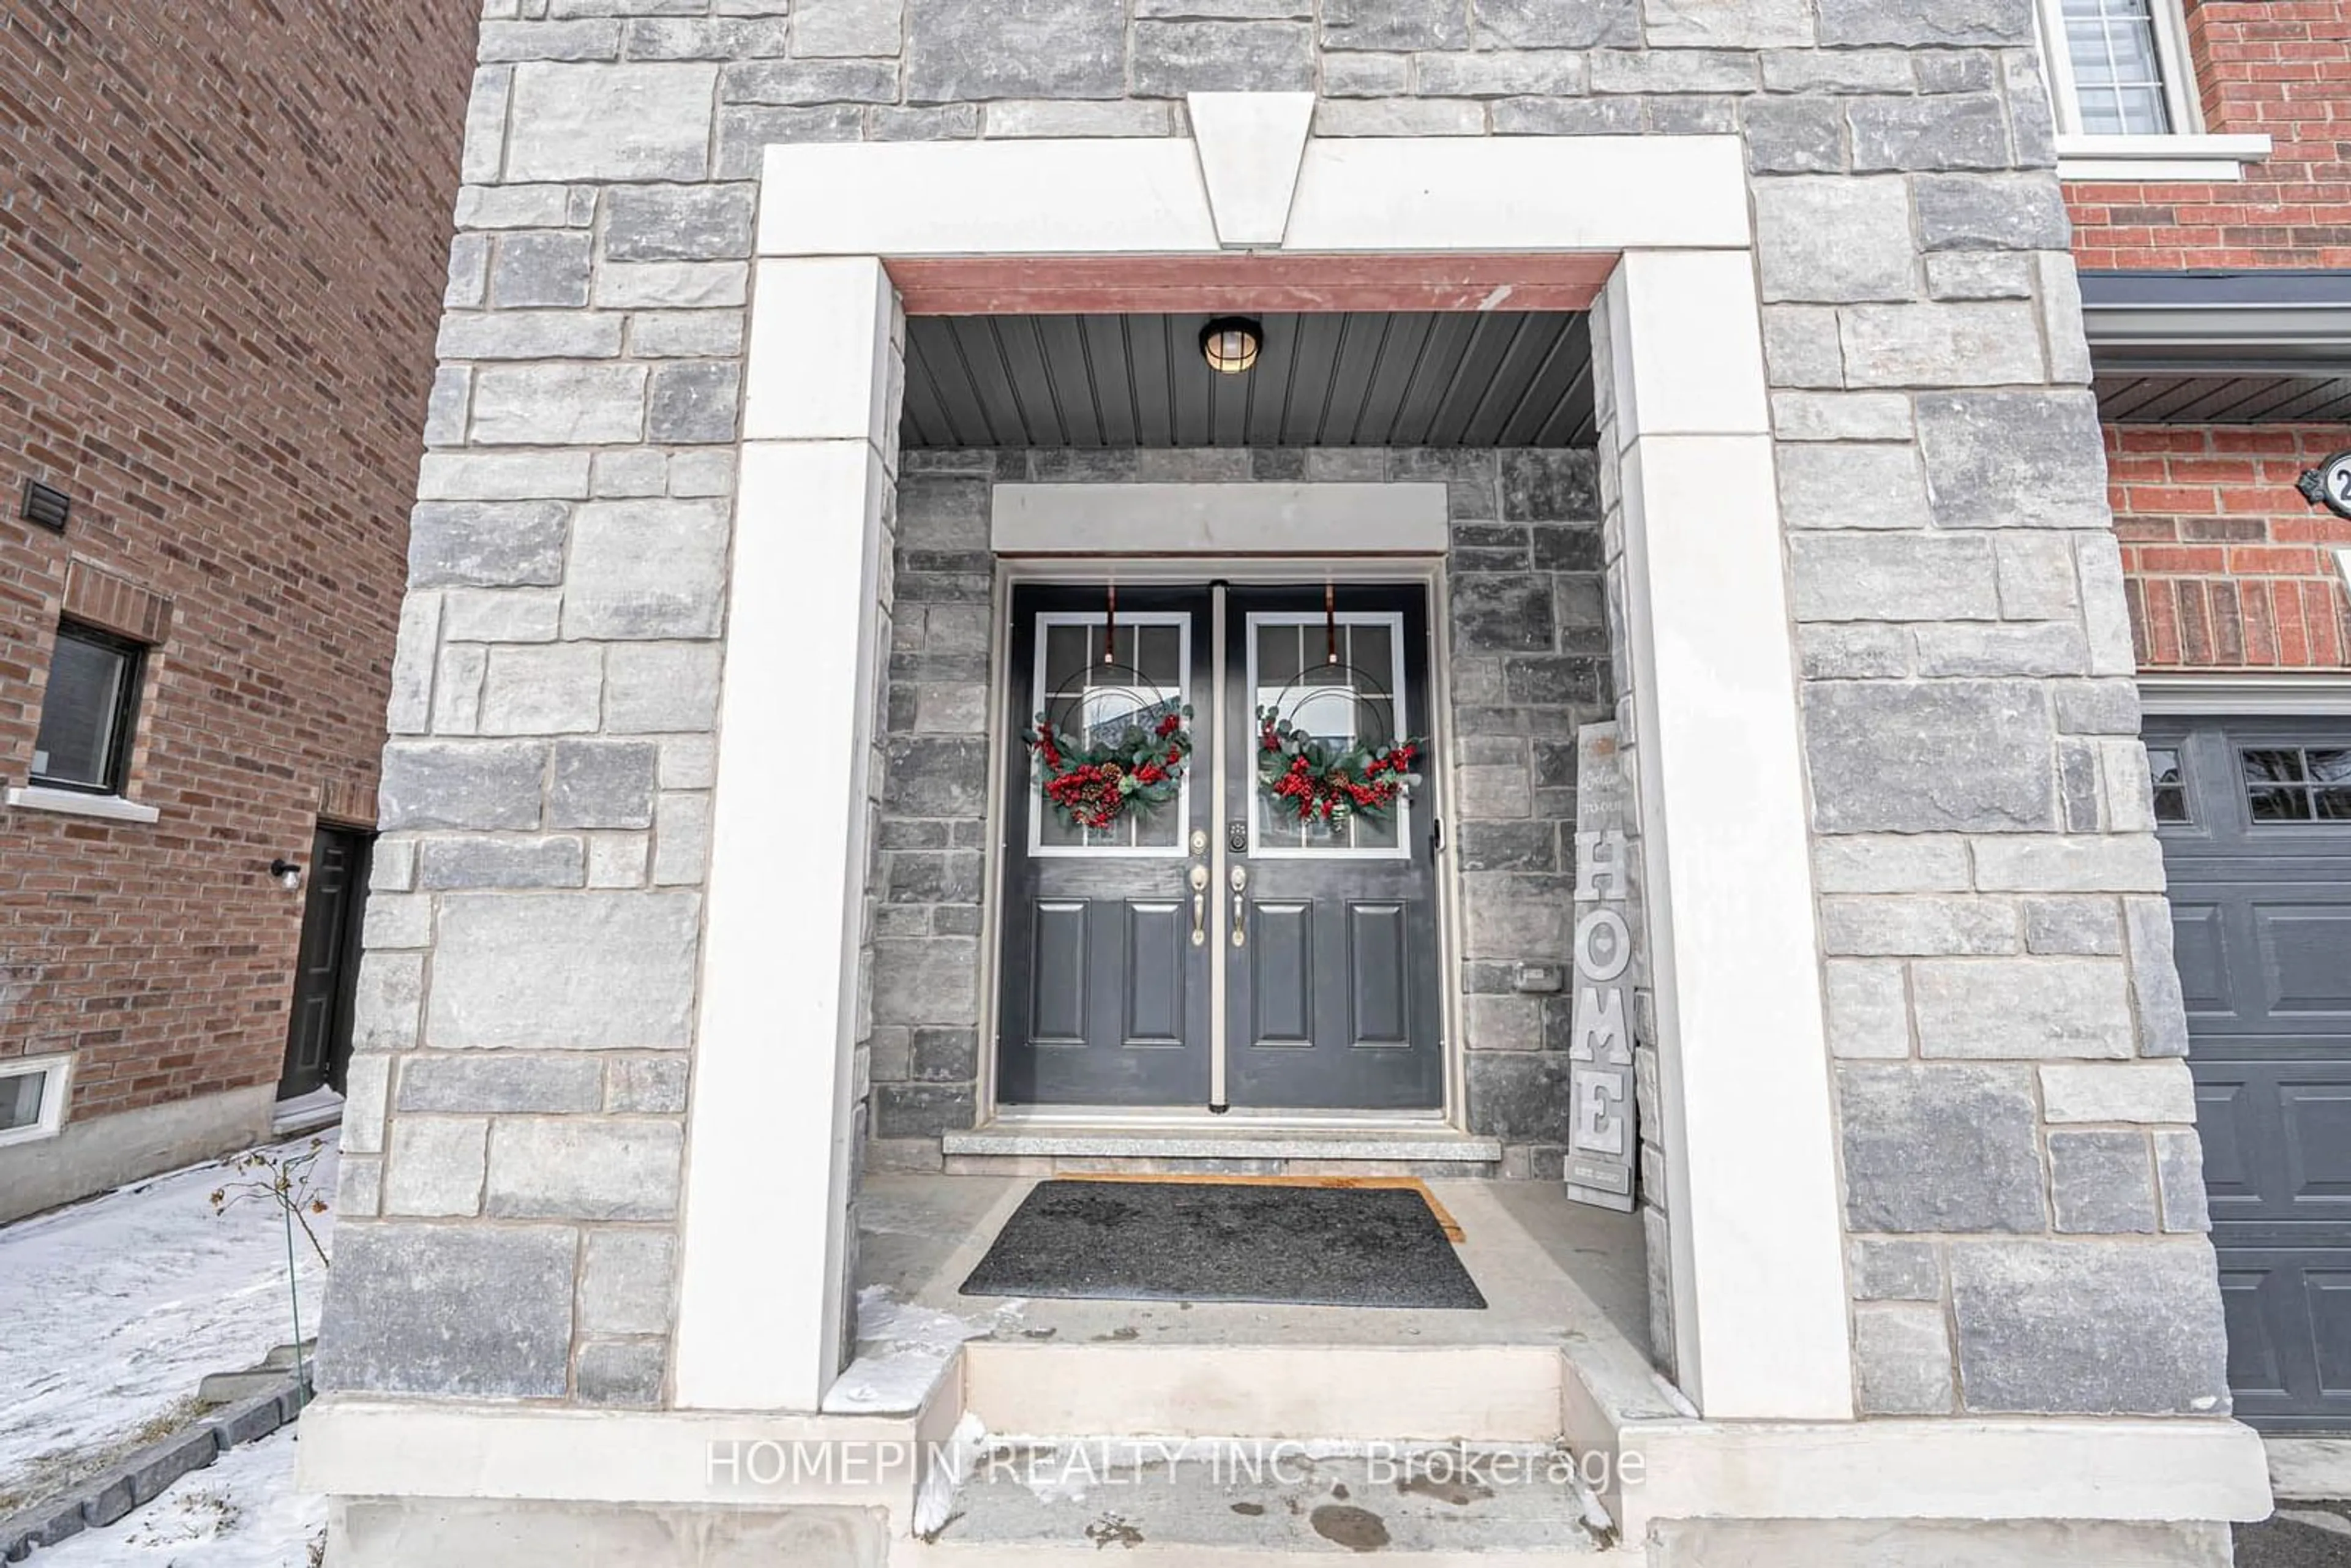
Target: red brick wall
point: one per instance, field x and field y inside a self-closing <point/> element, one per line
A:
<point x="2283" y="68"/>
<point x="221" y="238"/>
<point x="2224" y="565"/>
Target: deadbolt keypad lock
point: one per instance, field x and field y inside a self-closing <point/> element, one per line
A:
<point x="1237" y="837"/>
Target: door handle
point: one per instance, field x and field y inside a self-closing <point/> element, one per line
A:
<point x="1240" y="925"/>
<point x="1199" y="906"/>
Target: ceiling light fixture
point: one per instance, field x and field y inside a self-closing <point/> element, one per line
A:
<point x="1229" y="344"/>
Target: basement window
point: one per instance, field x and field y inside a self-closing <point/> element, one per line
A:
<point x="32" y="1097"/>
<point x="87" y="713"/>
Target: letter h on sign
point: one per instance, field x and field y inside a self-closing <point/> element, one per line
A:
<point x="1599" y="1165"/>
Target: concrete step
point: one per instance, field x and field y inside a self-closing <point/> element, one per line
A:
<point x="1233" y="1503"/>
<point x="1437" y="1393"/>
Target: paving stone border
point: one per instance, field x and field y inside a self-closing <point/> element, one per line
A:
<point x="140" y="1477"/>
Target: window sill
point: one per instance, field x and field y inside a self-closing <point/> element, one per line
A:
<point x="74" y="803"/>
<point x="2140" y="158"/>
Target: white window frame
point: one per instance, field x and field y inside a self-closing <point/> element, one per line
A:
<point x="2185" y="152"/>
<point x="58" y="1072"/>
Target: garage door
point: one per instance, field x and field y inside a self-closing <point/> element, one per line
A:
<point x="2255" y="818"/>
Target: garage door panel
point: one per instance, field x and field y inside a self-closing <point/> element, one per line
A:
<point x="2305" y="955"/>
<point x="2261" y="916"/>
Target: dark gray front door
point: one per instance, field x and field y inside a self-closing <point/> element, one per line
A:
<point x="326" y="967"/>
<point x="1118" y="942"/>
<point x="2255" y="818"/>
<point x="1330" y="995"/>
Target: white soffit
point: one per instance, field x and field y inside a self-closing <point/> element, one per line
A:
<point x="1218" y="519"/>
<point x="1249" y="145"/>
<point x="1147" y="195"/>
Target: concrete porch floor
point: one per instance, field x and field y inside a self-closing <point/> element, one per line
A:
<point x="1560" y="1350"/>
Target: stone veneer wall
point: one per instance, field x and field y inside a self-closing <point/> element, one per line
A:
<point x="1528" y="665"/>
<point x="2018" y="1152"/>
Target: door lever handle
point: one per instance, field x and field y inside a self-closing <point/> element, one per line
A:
<point x="1199" y="906"/>
<point x="1240" y="924"/>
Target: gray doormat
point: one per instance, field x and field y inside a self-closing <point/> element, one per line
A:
<point x="1182" y="1241"/>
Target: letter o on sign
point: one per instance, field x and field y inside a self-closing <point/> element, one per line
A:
<point x="1613" y="956"/>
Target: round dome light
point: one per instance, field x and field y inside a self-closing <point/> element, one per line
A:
<point x="1229" y="344"/>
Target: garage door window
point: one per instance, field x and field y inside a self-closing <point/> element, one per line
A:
<point x="2170" y="784"/>
<point x="2298" y="783"/>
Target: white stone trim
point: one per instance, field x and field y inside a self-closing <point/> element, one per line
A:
<point x="2158" y="158"/>
<point x="78" y="803"/>
<point x="1290" y="520"/>
<point x="2090" y="1467"/>
<point x="2309" y="1469"/>
<point x="1758" y="1263"/>
<point x="770" y="1139"/>
<point x="1250" y="146"/>
<point x="57" y="1079"/>
<point x="1391" y="194"/>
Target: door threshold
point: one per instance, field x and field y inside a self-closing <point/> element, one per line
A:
<point x="1425" y="1145"/>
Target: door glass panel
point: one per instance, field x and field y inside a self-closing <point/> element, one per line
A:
<point x="1342" y="685"/>
<point x="2291" y="784"/>
<point x="2170" y="784"/>
<point x="1095" y="701"/>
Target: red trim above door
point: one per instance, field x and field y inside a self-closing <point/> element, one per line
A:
<point x="1115" y="286"/>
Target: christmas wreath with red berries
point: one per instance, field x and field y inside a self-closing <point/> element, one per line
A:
<point x="1089" y="786"/>
<point x="1314" y="785"/>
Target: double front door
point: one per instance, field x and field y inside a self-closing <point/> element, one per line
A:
<point x="1212" y="949"/>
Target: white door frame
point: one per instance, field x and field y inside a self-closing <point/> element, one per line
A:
<point x="1757" y="1247"/>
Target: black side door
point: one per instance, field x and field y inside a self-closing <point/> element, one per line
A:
<point x="326" y="968"/>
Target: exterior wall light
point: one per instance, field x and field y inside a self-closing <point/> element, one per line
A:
<point x="288" y="875"/>
<point x="1229" y="344"/>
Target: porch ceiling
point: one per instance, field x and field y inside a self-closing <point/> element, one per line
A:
<point x="1332" y="378"/>
<point x="2253" y="398"/>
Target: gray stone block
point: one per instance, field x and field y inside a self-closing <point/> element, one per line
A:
<point x="2039" y="1332"/>
<point x="2075" y="926"/>
<point x="1366" y="75"/>
<point x="578" y="1168"/>
<point x="460" y="784"/>
<point x="1858" y="576"/>
<point x="655" y="687"/>
<point x="724" y="38"/>
<point x="692" y="403"/>
<point x="1940" y="1148"/>
<point x="1991" y="212"/>
<point x="2021" y="1008"/>
<point x="1548" y="485"/>
<point x="2154" y="978"/>
<point x="603" y="784"/>
<point x="1895" y="1271"/>
<point x="823" y="27"/>
<point x="1796" y="136"/>
<point x="645" y="570"/>
<point x="1834" y="240"/>
<point x="1895" y="863"/>
<point x="678" y="222"/>
<point x="625" y="1373"/>
<point x="921" y="1109"/>
<point x="492" y="544"/>
<point x="1392" y="25"/>
<point x="540" y="269"/>
<point x="1967" y="344"/>
<point x="509" y="970"/>
<point x="1955" y="130"/>
<point x="1853" y="652"/>
<point x="1847" y="484"/>
<point x="1939" y="757"/>
<point x="1838" y="71"/>
<point x="1902" y="1361"/>
<point x="932" y="981"/>
<point x="500" y="1082"/>
<point x="624" y="1282"/>
<point x="1728" y="24"/>
<point x="2179" y="1181"/>
<point x="2102" y="1182"/>
<point x="611" y="122"/>
<point x="2044" y="648"/>
<point x="645" y="1083"/>
<point x="1978" y="274"/>
<point x="1520" y="1097"/>
<point x="1016" y="49"/>
<point x="530" y="335"/>
<point x="1502" y="73"/>
<point x="585" y="39"/>
<point x="1551" y="116"/>
<point x="1521" y="23"/>
<point x="559" y="405"/>
<point x="1501" y="614"/>
<point x="435" y="1167"/>
<point x="1665" y="72"/>
<point x="475" y="860"/>
<point x="1932" y="23"/>
<point x="1868" y="1011"/>
<point x="1171" y="58"/>
<point x="810" y="81"/>
<point x="462" y="1312"/>
<point x="2013" y="459"/>
<point x="1908" y="925"/>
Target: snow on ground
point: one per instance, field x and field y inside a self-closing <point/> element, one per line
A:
<point x="117" y="1307"/>
<point x="242" y="1512"/>
<point x="902" y="1350"/>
